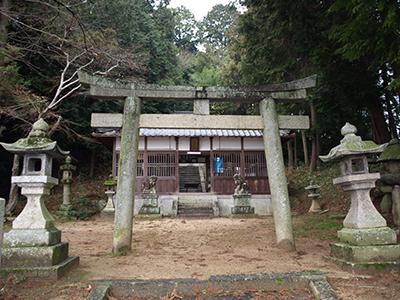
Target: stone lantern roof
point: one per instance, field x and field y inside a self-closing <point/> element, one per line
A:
<point x="392" y="151"/>
<point x="352" y="144"/>
<point x="37" y="141"/>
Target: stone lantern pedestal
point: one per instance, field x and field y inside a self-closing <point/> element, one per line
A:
<point x="109" y="208"/>
<point x="365" y="240"/>
<point x="33" y="246"/>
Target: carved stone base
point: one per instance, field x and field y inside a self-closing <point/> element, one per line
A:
<point x="368" y="237"/>
<point x="38" y="261"/>
<point x="109" y="208"/>
<point x="149" y="210"/>
<point x="242" y="210"/>
<point x="365" y="257"/>
<point x="150" y="205"/>
<point x="51" y="272"/>
<point x="32" y="237"/>
<point x="241" y="205"/>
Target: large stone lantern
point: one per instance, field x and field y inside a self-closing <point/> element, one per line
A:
<point x="365" y="239"/>
<point x="33" y="246"/>
<point x="390" y="180"/>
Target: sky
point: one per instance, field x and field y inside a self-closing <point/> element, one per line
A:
<point x="199" y="8"/>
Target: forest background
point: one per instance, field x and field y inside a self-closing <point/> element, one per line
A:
<point x="352" y="45"/>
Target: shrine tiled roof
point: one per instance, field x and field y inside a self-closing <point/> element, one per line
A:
<point x="163" y="132"/>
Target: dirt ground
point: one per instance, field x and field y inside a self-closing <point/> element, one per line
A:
<point x="181" y="248"/>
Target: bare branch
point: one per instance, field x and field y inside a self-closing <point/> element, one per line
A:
<point x="31" y="27"/>
<point x="55" y="126"/>
<point x="107" y="71"/>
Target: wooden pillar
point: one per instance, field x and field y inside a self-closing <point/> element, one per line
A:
<point x="305" y="148"/>
<point x="295" y="149"/>
<point x="92" y="162"/>
<point x="145" y="159"/>
<point x="289" y="144"/>
<point x="114" y="158"/>
<point x="177" y="163"/>
<point x="276" y="175"/>
<point x="211" y="164"/>
<point x="123" y="220"/>
<point x="242" y="164"/>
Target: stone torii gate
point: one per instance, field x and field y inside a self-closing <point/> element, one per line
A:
<point x="267" y="97"/>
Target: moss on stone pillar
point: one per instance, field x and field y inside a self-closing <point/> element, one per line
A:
<point x="123" y="220"/>
<point x="276" y="175"/>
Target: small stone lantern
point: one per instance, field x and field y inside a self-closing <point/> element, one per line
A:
<point x="67" y="169"/>
<point x="110" y="184"/>
<point x="33" y="246"/>
<point x="365" y="239"/>
<point x="313" y="194"/>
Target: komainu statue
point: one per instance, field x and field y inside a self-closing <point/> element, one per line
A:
<point x="241" y="186"/>
<point x="149" y="185"/>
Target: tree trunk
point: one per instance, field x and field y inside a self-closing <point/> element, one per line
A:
<point x="92" y="163"/>
<point x="315" y="138"/>
<point x="379" y="128"/>
<point x="4" y="5"/>
<point x="13" y="196"/>
<point x="290" y="153"/>
<point x="388" y="102"/>
<point x="305" y="148"/>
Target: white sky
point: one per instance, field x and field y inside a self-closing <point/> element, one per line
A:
<point x="199" y="8"/>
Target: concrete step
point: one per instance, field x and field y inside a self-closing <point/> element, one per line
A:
<point x="201" y="210"/>
<point x="197" y="216"/>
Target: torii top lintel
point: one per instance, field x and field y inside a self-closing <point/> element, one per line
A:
<point x="103" y="88"/>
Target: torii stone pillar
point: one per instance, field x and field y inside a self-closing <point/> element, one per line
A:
<point x="127" y="170"/>
<point x="276" y="175"/>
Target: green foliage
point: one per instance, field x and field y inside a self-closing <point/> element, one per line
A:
<point x="285" y="40"/>
<point x="9" y="71"/>
<point x="81" y="209"/>
<point x="320" y="227"/>
<point x="214" y="27"/>
<point x="186" y="28"/>
<point x="331" y="196"/>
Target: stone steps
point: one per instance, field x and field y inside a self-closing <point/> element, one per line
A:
<point x="196" y="205"/>
<point x="195" y="211"/>
<point x="189" y="179"/>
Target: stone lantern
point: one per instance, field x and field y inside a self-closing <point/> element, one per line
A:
<point x="313" y="194"/>
<point x="67" y="169"/>
<point x="390" y="180"/>
<point x="365" y="240"/>
<point x="33" y="246"/>
<point x="110" y="184"/>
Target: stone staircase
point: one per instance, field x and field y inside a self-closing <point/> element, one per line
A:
<point x="197" y="205"/>
<point x="189" y="179"/>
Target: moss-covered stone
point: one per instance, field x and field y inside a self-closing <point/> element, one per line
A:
<point x="359" y="254"/>
<point x="34" y="256"/>
<point x="367" y="237"/>
<point x="392" y="151"/>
